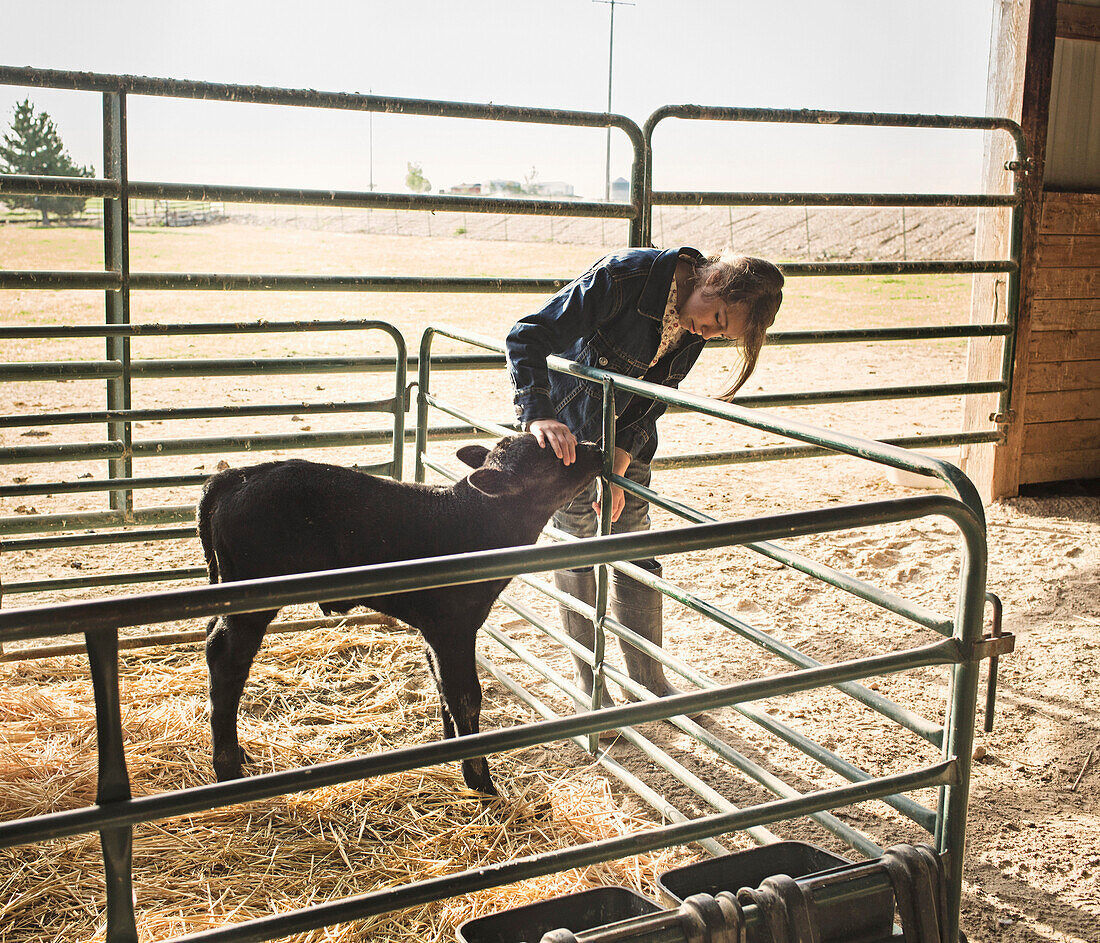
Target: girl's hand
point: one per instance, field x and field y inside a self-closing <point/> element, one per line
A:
<point x="557" y="436"/>
<point x="619" y="466"/>
<point x="618" y="501"/>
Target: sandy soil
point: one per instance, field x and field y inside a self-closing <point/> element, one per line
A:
<point x="1033" y="861"/>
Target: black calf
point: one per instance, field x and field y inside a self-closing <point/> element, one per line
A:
<point x="298" y="517"/>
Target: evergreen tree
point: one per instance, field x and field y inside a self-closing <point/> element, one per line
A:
<point x="415" y="179"/>
<point x="33" y="146"/>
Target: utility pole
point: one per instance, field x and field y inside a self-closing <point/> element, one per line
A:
<point x="610" y="59"/>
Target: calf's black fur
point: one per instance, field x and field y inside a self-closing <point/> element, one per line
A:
<point x="296" y="517"/>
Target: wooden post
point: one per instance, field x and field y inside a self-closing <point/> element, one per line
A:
<point x="1021" y="61"/>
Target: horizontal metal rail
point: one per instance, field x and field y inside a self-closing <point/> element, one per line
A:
<point x="181" y="802"/>
<point x="365" y="199"/>
<point x="120" y="578"/>
<point x="130" y="535"/>
<point x="771" y="453"/>
<point x="195" y="412"/>
<point x="198" y="445"/>
<point x="187" y="329"/>
<point x="210" y="281"/>
<point x="274" y="593"/>
<point x="307" y="98"/>
<point x="747" y="198"/>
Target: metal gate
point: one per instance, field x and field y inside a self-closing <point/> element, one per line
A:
<point x="960" y="646"/>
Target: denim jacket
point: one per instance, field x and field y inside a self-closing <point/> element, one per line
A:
<point x="610" y="318"/>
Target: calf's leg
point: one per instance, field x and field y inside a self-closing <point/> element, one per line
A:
<point x="231" y="646"/>
<point x="445" y="715"/>
<point x="460" y="693"/>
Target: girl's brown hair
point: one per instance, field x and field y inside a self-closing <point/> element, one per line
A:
<point x="736" y="278"/>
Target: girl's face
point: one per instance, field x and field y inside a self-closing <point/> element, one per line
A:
<point x="709" y="316"/>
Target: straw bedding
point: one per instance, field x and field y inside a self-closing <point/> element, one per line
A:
<point x="322" y="695"/>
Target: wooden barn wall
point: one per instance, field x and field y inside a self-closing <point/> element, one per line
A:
<point x="1061" y="386"/>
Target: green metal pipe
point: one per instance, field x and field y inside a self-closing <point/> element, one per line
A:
<point x="772" y="453"/>
<point x="865" y="394"/>
<point x="276" y="592"/>
<point x="962" y="716"/>
<point x="928" y="267"/>
<point x="422" y="892"/>
<point x="39" y="523"/>
<point x="106" y="579"/>
<point x="312" y="98"/>
<point x="259" y="366"/>
<point x="466" y="417"/>
<point x="162" y="329"/>
<point x="199" y="412"/>
<point x="149" y="281"/>
<point x="112" y="786"/>
<point x="164" y="481"/>
<point x="771" y="198"/>
<point x="828" y="117"/>
<point x="30" y="184"/>
<point x="60" y="452"/>
<point x="267" y="785"/>
<point x="776" y="338"/>
<point x="101" y="484"/>
<point x="430" y="202"/>
<point x="60" y="370"/>
<point x="96" y="539"/>
<point x="251" y="366"/>
<point x="69" y="281"/>
<point x="198" y="445"/>
<point x="876" y="334"/>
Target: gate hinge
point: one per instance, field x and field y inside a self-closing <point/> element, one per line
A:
<point x="1006" y="417"/>
<point x="993" y="646"/>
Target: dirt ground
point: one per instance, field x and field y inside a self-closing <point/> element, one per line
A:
<point x="1032" y="871"/>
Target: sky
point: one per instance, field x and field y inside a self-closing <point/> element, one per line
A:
<point x="859" y="55"/>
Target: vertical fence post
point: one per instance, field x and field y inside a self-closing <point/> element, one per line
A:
<point x="422" y="381"/>
<point x="113" y="785"/>
<point x="603" y="571"/>
<point x="958" y="741"/>
<point x="116" y="258"/>
<point x="400" y="405"/>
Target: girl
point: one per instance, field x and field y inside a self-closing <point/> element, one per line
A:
<point x="644" y="313"/>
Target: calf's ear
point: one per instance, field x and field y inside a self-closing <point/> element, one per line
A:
<point x="472" y="455"/>
<point x="493" y="482"/>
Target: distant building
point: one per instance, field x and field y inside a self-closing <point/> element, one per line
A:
<point x="552" y="188"/>
<point x="558" y="189"/>
<point x="466" y="189"/>
<point x="620" y="190"/>
<point x="502" y="188"/>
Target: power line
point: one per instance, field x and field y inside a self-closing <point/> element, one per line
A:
<point x="610" y="62"/>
